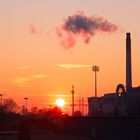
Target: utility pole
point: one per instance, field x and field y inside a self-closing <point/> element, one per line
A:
<point x="72" y="100"/>
<point x="79" y="102"/>
<point x="95" y="69"/>
<point x="83" y="106"/>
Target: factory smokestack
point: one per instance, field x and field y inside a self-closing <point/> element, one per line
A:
<point x="128" y="63"/>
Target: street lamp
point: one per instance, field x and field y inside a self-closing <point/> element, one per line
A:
<point x="26" y="99"/>
<point x="95" y="69"/>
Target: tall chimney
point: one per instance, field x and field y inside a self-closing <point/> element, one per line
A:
<point x="128" y="63"/>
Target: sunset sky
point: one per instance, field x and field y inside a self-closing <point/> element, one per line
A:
<point x="36" y="64"/>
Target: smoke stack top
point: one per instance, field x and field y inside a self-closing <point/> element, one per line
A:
<point x="84" y="26"/>
<point x="128" y="35"/>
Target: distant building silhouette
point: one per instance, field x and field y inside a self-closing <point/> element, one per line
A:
<point x="125" y="101"/>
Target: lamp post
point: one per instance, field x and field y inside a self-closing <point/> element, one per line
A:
<point x="26" y="99"/>
<point x="95" y="69"/>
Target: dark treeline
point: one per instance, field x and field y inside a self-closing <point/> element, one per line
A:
<point x="52" y="121"/>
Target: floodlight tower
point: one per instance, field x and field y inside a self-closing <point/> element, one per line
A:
<point x="95" y="69"/>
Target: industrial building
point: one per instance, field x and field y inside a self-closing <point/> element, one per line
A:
<point x="125" y="101"/>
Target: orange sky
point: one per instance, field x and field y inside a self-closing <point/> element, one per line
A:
<point x="36" y="65"/>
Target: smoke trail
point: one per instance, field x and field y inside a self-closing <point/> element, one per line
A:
<point x="81" y="25"/>
<point x="38" y="31"/>
<point x="33" y="29"/>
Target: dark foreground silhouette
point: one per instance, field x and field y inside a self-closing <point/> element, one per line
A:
<point x="70" y="128"/>
<point x="53" y="125"/>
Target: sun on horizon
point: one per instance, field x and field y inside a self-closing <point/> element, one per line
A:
<point x="60" y="102"/>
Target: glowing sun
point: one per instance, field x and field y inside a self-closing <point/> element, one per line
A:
<point x="60" y="102"/>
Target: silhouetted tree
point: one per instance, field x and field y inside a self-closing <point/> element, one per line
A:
<point x="42" y="111"/>
<point x="9" y="105"/>
<point x="34" y="110"/>
<point x="54" y="112"/>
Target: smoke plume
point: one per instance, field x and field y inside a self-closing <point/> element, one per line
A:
<point x="81" y="25"/>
